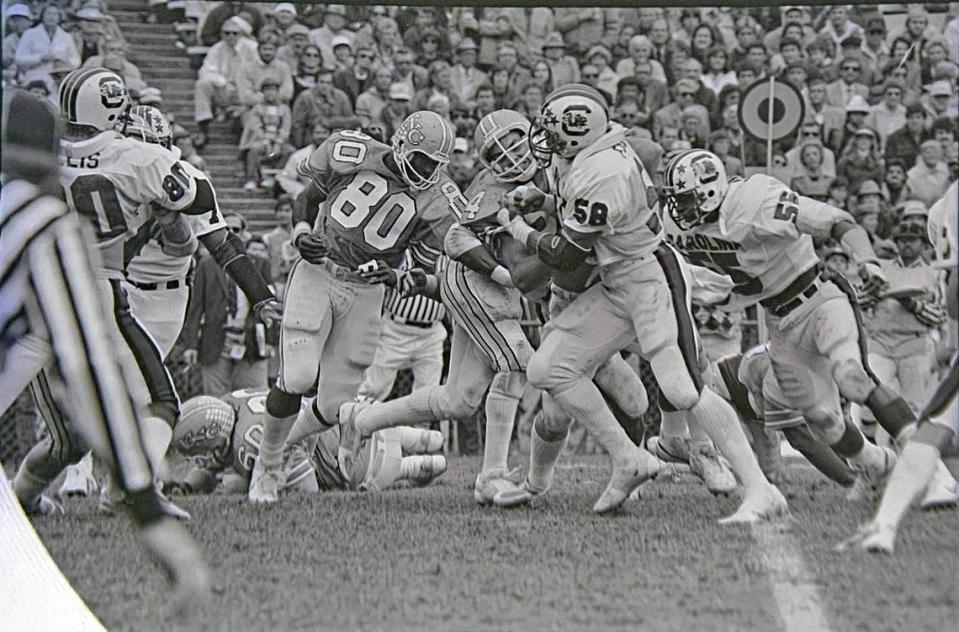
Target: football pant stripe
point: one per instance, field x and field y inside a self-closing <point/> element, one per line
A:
<point x="496" y="345"/>
<point x="846" y="288"/>
<point x="451" y="297"/>
<point x="686" y="332"/>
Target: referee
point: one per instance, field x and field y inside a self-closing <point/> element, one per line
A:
<point x="47" y="288"/>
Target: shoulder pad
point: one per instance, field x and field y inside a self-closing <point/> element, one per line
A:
<point x="347" y="152"/>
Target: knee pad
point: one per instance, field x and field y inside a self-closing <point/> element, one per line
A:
<point x="674" y="379"/>
<point x="508" y="384"/>
<point x="281" y="404"/>
<point x="545" y="374"/>
<point x="823" y="421"/>
<point x="853" y="380"/>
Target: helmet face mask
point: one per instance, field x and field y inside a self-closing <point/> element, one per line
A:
<point x="501" y="141"/>
<point x="147" y="124"/>
<point x="422" y="146"/>
<point x="695" y="185"/>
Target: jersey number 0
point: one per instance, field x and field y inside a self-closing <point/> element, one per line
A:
<point x="364" y="202"/>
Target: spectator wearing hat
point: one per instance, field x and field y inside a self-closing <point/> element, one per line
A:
<point x="860" y="160"/>
<point x="838" y="27"/>
<point x="829" y="118"/>
<point x="356" y="79"/>
<point x="840" y="92"/>
<point x="18" y="19"/>
<point x="371" y="102"/>
<point x="289" y="179"/>
<point x="43" y="46"/>
<point x="216" y="82"/>
<point x="916" y="30"/>
<point x="296" y="38"/>
<point x="835" y="259"/>
<point x="929" y="178"/>
<point x="397" y="108"/>
<point x="211" y="26"/>
<point x="407" y="71"/>
<point x="334" y="24"/>
<point x="940" y="102"/>
<point x="307" y="69"/>
<point x="284" y="17"/>
<point x="465" y="76"/>
<point x="875" y="49"/>
<point x="888" y="115"/>
<point x="254" y="71"/>
<point x="115" y="58"/>
<point x="856" y="112"/>
<point x="580" y="27"/>
<point x="266" y="134"/>
<point x="903" y="144"/>
<point x="684" y="103"/>
<point x="564" y="68"/>
<point x="640" y="52"/>
<point x="325" y="103"/>
<point x="903" y="317"/>
<point x="342" y="53"/>
<point x="89" y="36"/>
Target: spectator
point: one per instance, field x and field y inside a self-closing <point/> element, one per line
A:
<point x="829" y="118"/>
<point x="485" y="101"/>
<point x="354" y="81"/>
<point x="371" y="102"/>
<point x="265" y="65"/>
<point x="606" y="80"/>
<point x="580" y="27"/>
<point x="640" y="52"/>
<point x="851" y="48"/>
<point x="627" y="113"/>
<point x="894" y="182"/>
<point x="342" y="53"/>
<point x="903" y="143"/>
<point x="43" y="46"/>
<point x="693" y="70"/>
<point x="508" y="57"/>
<point x="836" y="260"/>
<point x="944" y="131"/>
<point x="653" y="95"/>
<point x="790" y="15"/>
<point x="216" y="83"/>
<point x="839" y="93"/>
<point x="221" y="332"/>
<point x="115" y="56"/>
<point x="426" y="22"/>
<point x="308" y="68"/>
<point x="689" y="19"/>
<point x="811" y="180"/>
<point x="290" y="53"/>
<point x="940" y="102"/>
<point x="719" y="144"/>
<point x="867" y="212"/>
<point x="660" y="39"/>
<point x="890" y="114"/>
<point x="563" y="67"/>
<point x="289" y="180"/>
<point x="929" y="179"/>
<point x="839" y="26"/>
<point x="875" y="50"/>
<point x="440" y="82"/>
<point x="397" y="108"/>
<point x="334" y="24"/>
<point x="790" y="53"/>
<point x="703" y="41"/>
<point x="530" y="101"/>
<point x="280" y="251"/>
<point x="266" y="134"/>
<point x="18" y="19"/>
<point x="860" y="160"/>
<point x="222" y="12"/>
<point x="916" y="31"/>
<point x="717" y="75"/>
<point x="39" y="89"/>
<point x="499" y="81"/>
<point x="322" y="102"/>
<point x="819" y="63"/>
<point x="671" y="115"/>
<point x="405" y="70"/>
<point x="284" y="16"/>
<point x="463" y="120"/>
<point x="810" y="133"/>
<point x="856" y="111"/>
<point x="386" y="42"/>
<point x="466" y="77"/>
<point x="430" y="48"/>
<point x="90" y="38"/>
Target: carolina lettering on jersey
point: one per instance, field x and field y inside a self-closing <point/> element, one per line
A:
<point x="369" y="211"/>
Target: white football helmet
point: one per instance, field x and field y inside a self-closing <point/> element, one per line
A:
<point x="943" y="231"/>
<point x="422" y="146"/>
<point x="205" y="428"/>
<point x="94" y="97"/>
<point x="695" y="185"/>
<point x="513" y="160"/>
<point x="571" y="118"/>
<point x="146" y="123"/>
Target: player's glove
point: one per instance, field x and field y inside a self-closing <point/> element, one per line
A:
<point x="378" y="271"/>
<point x="926" y="312"/>
<point x="312" y="247"/>
<point x="524" y="199"/>
<point x="268" y="311"/>
<point x="411" y="282"/>
<point x="873" y="278"/>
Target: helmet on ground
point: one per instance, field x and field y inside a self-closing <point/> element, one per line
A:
<point x="694" y="185"/>
<point x="422" y="146"/>
<point x="501" y="140"/>
<point x="571" y="118"/>
<point x="205" y="428"/>
<point x="148" y="124"/>
<point x="94" y="97"/>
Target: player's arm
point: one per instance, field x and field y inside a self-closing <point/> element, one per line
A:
<point x="564" y="251"/>
<point x="230" y="254"/>
<point x="177" y="237"/>
<point x="824" y="220"/>
<point x="462" y="244"/>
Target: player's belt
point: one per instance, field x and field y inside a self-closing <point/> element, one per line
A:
<point x="799" y="291"/>
<point x="168" y="285"/>
<point x="342" y="272"/>
<point x="411" y="323"/>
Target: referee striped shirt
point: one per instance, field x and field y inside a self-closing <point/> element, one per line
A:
<point x="47" y="287"/>
<point x="420" y="310"/>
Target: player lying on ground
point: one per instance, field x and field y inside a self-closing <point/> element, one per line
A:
<point x="220" y="438"/>
<point x="919" y="460"/>
<point x="609" y="208"/>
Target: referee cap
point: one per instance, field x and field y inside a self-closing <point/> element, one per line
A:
<point x="30" y="136"/>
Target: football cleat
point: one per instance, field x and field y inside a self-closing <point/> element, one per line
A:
<point x="111" y="503"/>
<point x="44" y="506"/>
<point x="942" y="490"/>
<point x="706" y="463"/>
<point x="872" y="538"/>
<point x="350" y="437"/>
<point x="876" y="472"/>
<point x="521" y="495"/>
<point x="769" y="504"/>
<point x="641" y="467"/>
<point x="669" y="449"/>
<point x="78" y="480"/>
<point x="489" y="484"/>
<point x="858" y="491"/>
<point x="266" y="481"/>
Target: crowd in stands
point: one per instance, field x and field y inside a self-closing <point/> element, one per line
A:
<point x="879" y="138"/>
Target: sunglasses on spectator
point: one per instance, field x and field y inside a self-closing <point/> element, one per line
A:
<point x="235" y="229"/>
<point x="591" y="76"/>
<point x="810" y="134"/>
<point x="311" y="54"/>
<point x="365" y="55"/>
<point x="686" y="94"/>
<point x="850" y="67"/>
<point x="231" y="32"/>
<point x="876" y="32"/>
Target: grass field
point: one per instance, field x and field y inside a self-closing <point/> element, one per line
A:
<point x="430" y="559"/>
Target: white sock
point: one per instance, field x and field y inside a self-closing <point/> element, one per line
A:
<point x="500" y="416"/>
<point x="543" y="455"/>
<point x="410" y="410"/>
<point x="275" y="432"/>
<point x="583" y="402"/>
<point x="721" y="423"/>
<point x="915" y="468"/>
<point x="673" y="424"/>
<point x="306" y="424"/>
<point x="156" y="435"/>
<point x="871" y="454"/>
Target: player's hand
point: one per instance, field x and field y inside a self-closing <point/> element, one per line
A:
<point x="873" y="278"/>
<point x="524" y="199"/>
<point x="378" y="271"/>
<point x="268" y="311"/>
<point x="312" y="247"/>
<point x="190" y="356"/>
<point x="411" y="282"/>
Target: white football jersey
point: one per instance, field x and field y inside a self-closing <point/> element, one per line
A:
<point x="112" y="180"/>
<point x="943" y="232"/>
<point x="762" y="239"/>
<point x="605" y="189"/>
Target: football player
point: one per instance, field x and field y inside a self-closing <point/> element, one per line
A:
<point x="223" y="436"/>
<point x="759" y="233"/>
<point x="919" y="459"/>
<point x="609" y="207"/>
<point x="366" y="201"/>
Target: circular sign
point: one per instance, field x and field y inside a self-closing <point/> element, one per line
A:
<point x="788" y="110"/>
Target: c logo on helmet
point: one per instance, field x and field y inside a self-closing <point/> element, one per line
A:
<point x="112" y="92"/>
<point x="414" y="134"/>
<point x="575" y="122"/>
<point x="707" y="170"/>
